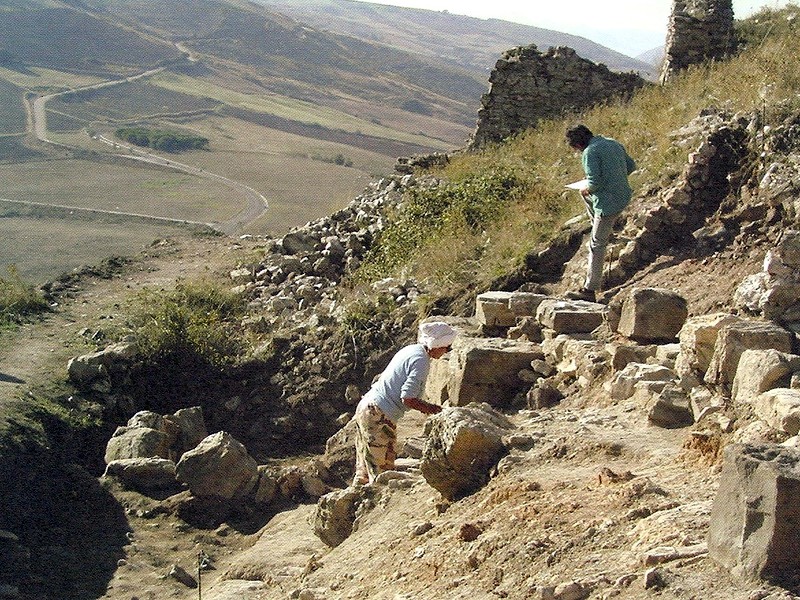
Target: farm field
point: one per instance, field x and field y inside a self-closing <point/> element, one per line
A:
<point x="43" y="248"/>
<point x="133" y="189"/>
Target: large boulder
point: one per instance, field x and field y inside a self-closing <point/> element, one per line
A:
<point x="137" y="442"/>
<point x="463" y="445"/>
<point x="652" y="314"/>
<point x="734" y="339"/>
<point x="762" y="370"/>
<point x="191" y="427"/>
<point x="218" y="467"/>
<point x="697" y="339"/>
<point x="755" y="519"/>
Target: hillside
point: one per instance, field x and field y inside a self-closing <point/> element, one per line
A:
<point x="459" y="40"/>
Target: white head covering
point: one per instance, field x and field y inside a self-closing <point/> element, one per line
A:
<point x="436" y="334"/>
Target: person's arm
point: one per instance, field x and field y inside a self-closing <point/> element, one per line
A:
<point x="422" y="406"/>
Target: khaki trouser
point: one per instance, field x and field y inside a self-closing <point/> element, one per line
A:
<point x="375" y="443"/>
<point x="602" y="227"/>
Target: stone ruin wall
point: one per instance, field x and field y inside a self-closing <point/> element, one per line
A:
<point x="699" y="31"/>
<point x="528" y="85"/>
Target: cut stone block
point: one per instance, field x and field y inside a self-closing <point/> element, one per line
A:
<point x="570" y="316"/>
<point x="652" y="314"/>
<point x="755" y="519"/>
<point x="762" y="370"/>
<point x="780" y="409"/>
<point x="492" y="309"/>
<point x="480" y="370"/>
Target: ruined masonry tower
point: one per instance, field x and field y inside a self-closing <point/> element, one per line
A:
<point x="699" y="30"/>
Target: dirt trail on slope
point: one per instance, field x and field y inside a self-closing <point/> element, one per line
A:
<point x="32" y="353"/>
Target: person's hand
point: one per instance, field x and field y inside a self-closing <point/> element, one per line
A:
<point x="585" y="192"/>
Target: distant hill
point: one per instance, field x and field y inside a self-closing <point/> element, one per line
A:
<point x="466" y="41"/>
<point x="653" y="57"/>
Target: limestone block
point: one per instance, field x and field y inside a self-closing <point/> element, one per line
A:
<point x="622" y="384"/>
<point x="668" y="408"/>
<point x="480" y="370"/>
<point x="220" y="467"/>
<point x="755" y="519"/>
<point x="570" y="316"/>
<point x="137" y="442"/>
<point x="143" y="474"/>
<point x="463" y="445"/>
<point x="492" y="310"/>
<point x="734" y="339"/>
<point x="652" y="314"/>
<point x="524" y="304"/>
<point x="697" y="339"/>
<point x="780" y="409"/>
<point x="622" y="354"/>
<point x="762" y="370"/>
<point x="335" y="515"/>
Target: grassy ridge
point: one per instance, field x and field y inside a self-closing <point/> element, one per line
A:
<point x="458" y="260"/>
<point x="70" y="40"/>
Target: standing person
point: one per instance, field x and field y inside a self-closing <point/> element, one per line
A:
<point x="397" y="389"/>
<point x="607" y="166"/>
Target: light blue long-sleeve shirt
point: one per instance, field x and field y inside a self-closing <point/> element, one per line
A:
<point x="403" y="377"/>
<point x="607" y="166"/>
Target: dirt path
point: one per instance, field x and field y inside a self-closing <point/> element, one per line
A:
<point x="32" y="353"/>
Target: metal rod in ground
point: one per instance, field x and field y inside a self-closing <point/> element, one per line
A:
<point x="200" y="575"/>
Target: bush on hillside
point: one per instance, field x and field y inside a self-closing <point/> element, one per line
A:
<point x="19" y="299"/>
<point x="195" y="323"/>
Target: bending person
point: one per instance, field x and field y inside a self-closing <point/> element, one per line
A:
<point x="397" y="389"/>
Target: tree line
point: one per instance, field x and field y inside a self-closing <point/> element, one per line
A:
<point x="168" y="141"/>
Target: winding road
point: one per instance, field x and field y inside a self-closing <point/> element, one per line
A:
<point x="256" y="203"/>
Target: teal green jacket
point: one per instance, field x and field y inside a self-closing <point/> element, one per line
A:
<point x="607" y="166"/>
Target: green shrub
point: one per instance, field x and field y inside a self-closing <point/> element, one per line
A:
<point x="196" y="322"/>
<point x="19" y="299"/>
<point x="430" y="217"/>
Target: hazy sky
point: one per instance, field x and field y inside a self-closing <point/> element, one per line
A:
<point x="628" y="26"/>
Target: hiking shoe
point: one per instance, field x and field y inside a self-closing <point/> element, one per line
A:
<point x="581" y="294"/>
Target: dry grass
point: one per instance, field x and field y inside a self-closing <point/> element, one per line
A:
<point x="766" y="74"/>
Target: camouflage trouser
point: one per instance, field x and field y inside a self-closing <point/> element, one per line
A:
<point x="375" y="443"/>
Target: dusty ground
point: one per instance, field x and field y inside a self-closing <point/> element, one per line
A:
<point x="596" y="492"/>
